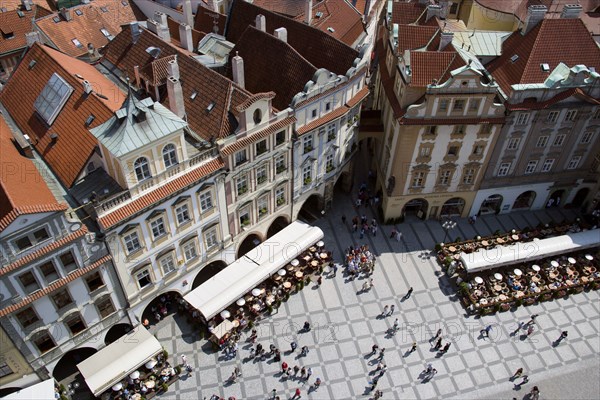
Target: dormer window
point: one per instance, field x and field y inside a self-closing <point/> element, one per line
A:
<point x="142" y="169"/>
<point x="169" y="155"/>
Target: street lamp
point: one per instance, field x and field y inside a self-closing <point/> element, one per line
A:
<point x="447" y="225"/>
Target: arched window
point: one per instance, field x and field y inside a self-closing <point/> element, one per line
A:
<point x="142" y="170"/>
<point x="257" y="116"/>
<point x="169" y="155"/>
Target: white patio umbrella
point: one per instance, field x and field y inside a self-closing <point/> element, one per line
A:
<point x="256" y="292"/>
<point x="295" y="263"/>
<point x="554" y="263"/>
<point x="320" y="243"/>
<point x="478" y="279"/>
<point x="117" y="387"/>
<point x="225" y="314"/>
<point x="281" y="272"/>
<point x="518" y="272"/>
<point x="589" y="257"/>
<point x="240" y="302"/>
<point x="134" y="375"/>
<point x="571" y="260"/>
<point x="150" y="364"/>
<point x="535" y="267"/>
<point x="498" y="276"/>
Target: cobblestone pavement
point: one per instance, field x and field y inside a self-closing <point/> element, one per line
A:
<point x="345" y="326"/>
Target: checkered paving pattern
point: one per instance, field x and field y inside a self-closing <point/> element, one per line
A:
<point x="346" y="325"/>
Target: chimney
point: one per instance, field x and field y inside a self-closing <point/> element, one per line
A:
<point x="445" y="9"/>
<point x="65" y="13"/>
<point x="535" y="14"/>
<point x="174" y="90"/>
<point x="135" y="32"/>
<point x="26" y="5"/>
<point x="188" y="16"/>
<point x="136" y="73"/>
<point x="87" y="87"/>
<point x="308" y="12"/>
<point x="237" y="65"/>
<point x="433" y="10"/>
<point x="92" y="52"/>
<point x="571" y="11"/>
<point x="445" y="39"/>
<point x="185" y="37"/>
<point x="281" y="34"/>
<point x="212" y="5"/>
<point x="32" y="37"/>
<point x="159" y="26"/>
<point x="261" y="23"/>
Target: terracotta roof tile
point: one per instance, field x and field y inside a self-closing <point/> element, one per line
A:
<point x="70" y="152"/>
<point x="338" y="112"/>
<point x="412" y="37"/>
<point x="143" y="202"/>
<point x="550" y="42"/>
<point x="358" y="97"/>
<point x="54" y="286"/>
<point x="86" y="27"/>
<point x="16" y="4"/>
<point x="519" y="7"/>
<point x="205" y="21"/>
<point x="252" y="99"/>
<point x="405" y="13"/>
<point x="156" y="71"/>
<point x="272" y="65"/>
<point x="428" y="66"/>
<point x="319" y="48"/>
<point x="244" y="142"/>
<point x="13" y="29"/>
<point x="44" y="250"/>
<point x="338" y="19"/>
<point x="19" y="178"/>
<point x="209" y="86"/>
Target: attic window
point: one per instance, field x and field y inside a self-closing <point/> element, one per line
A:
<point x="330" y="29"/>
<point x="105" y="32"/>
<point x="20" y="13"/>
<point x="193" y="95"/>
<point x="514" y="58"/>
<point x="3" y="9"/>
<point x="104" y="9"/>
<point x="32" y="64"/>
<point x="56" y="19"/>
<point x="545" y="67"/>
<point x="77" y="43"/>
<point x="8" y="35"/>
<point x="53" y="98"/>
<point x="79" y="12"/>
<point x="90" y="119"/>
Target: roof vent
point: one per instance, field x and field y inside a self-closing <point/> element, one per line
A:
<point x="330" y="29"/>
<point x="31" y="64"/>
<point x="153" y="51"/>
<point x="545" y="67"/>
<point x="90" y="119"/>
<point x="210" y="106"/>
<point x="20" y="13"/>
<point x="193" y="95"/>
<point x="56" y="19"/>
<point x="54" y="136"/>
<point x="319" y="14"/>
<point x="514" y="58"/>
<point x="87" y="87"/>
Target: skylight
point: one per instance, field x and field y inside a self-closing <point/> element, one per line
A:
<point x="79" y="12"/>
<point x="77" y="43"/>
<point x="104" y="9"/>
<point x="56" y="19"/>
<point x="105" y="32"/>
<point x="545" y="67"/>
<point x="53" y="98"/>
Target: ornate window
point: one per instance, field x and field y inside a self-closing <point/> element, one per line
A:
<point x="169" y="155"/>
<point x="142" y="169"/>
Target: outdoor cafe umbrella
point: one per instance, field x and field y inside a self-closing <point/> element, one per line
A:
<point x="281" y="272"/>
<point x="498" y="276"/>
<point x="589" y="257"/>
<point x="240" y="302"/>
<point x="225" y="314"/>
<point x="134" y="375"/>
<point x="117" y="387"/>
<point x="478" y="279"/>
<point x="320" y="243"/>
<point x="535" y="267"/>
<point x="518" y="272"/>
<point x="295" y="263"/>
<point x="150" y="364"/>
<point x="571" y="260"/>
<point x="256" y="292"/>
<point x="554" y="263"/>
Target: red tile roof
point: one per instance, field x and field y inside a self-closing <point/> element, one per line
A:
<point x="519" y="7"/>
<point x="205" y="21"/>
<point x="86" y="27"/>
<point x="174" y="31"/>
<point x="339" y="16"/>
<point x="16" y="4"/>
<point x="550" y="42"/>
<point x="70" y="152"/>
<point x="13" y="28"/>
<point x="44" y="250"/>
<point x="54" y="286"/>
<point x="358" y="97"/>
<point x="289" y="8"/>
<point x="272" y="65"/>
<point x="155" y="72"/>
<point x="338" y="112"/>
<point x="535" y="105"/>
<point x="245" y="141"/>
<point x="19" y="178"/>
<point x="210" y="87"/>
<point x="412" y="37"/>
<point x="405" y="13"/>
<point x="145" y="201"/>
<point x="319" y="48"/>
<point x="427" y="66"/>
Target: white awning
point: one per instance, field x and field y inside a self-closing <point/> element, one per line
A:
<point x="40" y="391"/>
<point x="499" y="256"/>
<point x="247" y="272"/>
<point x="118" y="359"/>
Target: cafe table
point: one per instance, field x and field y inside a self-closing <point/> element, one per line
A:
<point x="287" y="285"/>
<point x="515" y="237"/>
<point x="314" y="263"/>
<point x="299" y="274"/>
<point x="150" y="384"/>
<point x="452" y="249"/>
<point x="324" y="256"/>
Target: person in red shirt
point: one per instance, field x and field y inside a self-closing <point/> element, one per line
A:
<point x="284" y="366"/>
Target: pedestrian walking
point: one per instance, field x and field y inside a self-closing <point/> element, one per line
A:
<point x="317" y="383"/>
<point x="277" y="357"/>
<point x="446" y="347"/>
<point x="532" y="319"/>
<point x="302" y="372"/>
<point x="535" y="393"/>
<point x="362" y="232"/>
<point x="344" y="219"/>
<point x="562" y="336"/>
<point x="296" y="370"/>
<point x="284" y="366"/>
<point x="438" y="344"/>
<point x="385" y="310"/>
<point x="398" y="237"/>
<point x="438" y="333"/>
<point x="374" y="349"/>
<point x="410" y="290"/>
<point x="288" y="372"/>
<point x="374" y="383"/>
<point x="335" y="268"/>
<point x="519" y="327"/>
<point x="306" y="327"/>
<point x="183" y="360"/>
<point x="253" y="336"/>
<point x="393" y="233"/>
<point x="309" y="372"/>
<point x="414" y="347"/>
<point x="525" y="380"/>
<point x="381" y="353"/>
<point x="517" y="373"/>
<point x="392" y="308"/>
<point x="297" y="394"/>
<point x="273" y="393"/>
<point x="486" y="331"/>
<point x="529" y="330"/>
<point x="396" y="325"/>
<point x="320" y="280"/>
<point x="380" y="366"/>
<point x="293" y="346"/>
